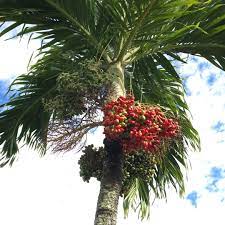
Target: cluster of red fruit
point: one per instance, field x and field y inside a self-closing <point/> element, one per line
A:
<point x="137" y="126"/>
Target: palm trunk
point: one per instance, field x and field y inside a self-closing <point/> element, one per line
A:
<point x="111" y="183"/>
<point x="106" y="213"/>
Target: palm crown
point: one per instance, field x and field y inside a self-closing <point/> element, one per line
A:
<point x="144" y="37"/>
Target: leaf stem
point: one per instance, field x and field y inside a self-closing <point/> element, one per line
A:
<point x="85" y="32"/>
<point x="134" y="31"/>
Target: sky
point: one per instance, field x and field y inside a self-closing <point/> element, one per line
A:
<point x="48" y="190"/>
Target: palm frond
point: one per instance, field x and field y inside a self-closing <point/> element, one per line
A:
<point x="56" y="22"/>
<point x="24" y="116"/>
<point x="137" y="198"/>
<point x="192" y="27"/>
<point x="155" y="81"/>
<point x="125" y="30"/>
<point x="169" y="171"/>
<point x="24" y="119"/>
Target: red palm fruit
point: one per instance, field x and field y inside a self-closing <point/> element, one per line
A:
<point x="118" y="126"/>
<point x="149" y="138"/>
<point x="145" y="130"/>
<point x="117" y="117"/>
<point x="149" y="125"/>
<point x="148" y="122"/>
<point x="110" y="113"/>
<point x="137" y="125"/>
<point x="145" y="145"/>
<point x="131" y="121"/>
<point x="122" y="118"/>
<point x="132" y="114"/>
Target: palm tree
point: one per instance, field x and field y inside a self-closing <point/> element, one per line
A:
<point x="136" y="43"/>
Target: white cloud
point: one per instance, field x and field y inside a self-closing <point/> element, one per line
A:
<point x="14" y="56"/>
<point x="46" y="191"/>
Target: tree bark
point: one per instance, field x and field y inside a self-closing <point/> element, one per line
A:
<point x="117" y="87"/>
<point x="111" y="183"/>
<point x="106" y="213"/>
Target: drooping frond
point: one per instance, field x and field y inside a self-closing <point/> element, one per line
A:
<point x="35" y="111"/>
<point x="154" y="80"/>
<point x="169" y="172"/>
<point x="24" y="116"/>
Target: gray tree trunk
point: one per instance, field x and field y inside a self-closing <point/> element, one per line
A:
<point x="111" y="183"/>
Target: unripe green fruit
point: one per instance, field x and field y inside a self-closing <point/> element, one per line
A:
<point x="142" y="117"/>
<point x="136" y="165"/>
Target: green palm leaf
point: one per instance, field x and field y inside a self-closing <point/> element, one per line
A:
<point x="24" y="117"/>
<point x="155" y="81"/>
<point x="144" y="36"/>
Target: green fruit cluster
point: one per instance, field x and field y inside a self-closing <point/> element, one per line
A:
<point x="138" y="164"/>
<point x="91" y="163"/>
<point x="76" y="91"/>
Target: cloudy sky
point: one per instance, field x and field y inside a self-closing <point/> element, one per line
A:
<point x="49" y="190"/>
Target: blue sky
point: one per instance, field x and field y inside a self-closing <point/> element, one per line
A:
<point x="216" y="175"/>
<point x="219" y="126"/>
<point x="205" y="89"/>
<point x="193" y="197"/>
<point x="3" y="90"/>
<point x="51" y="186"/>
